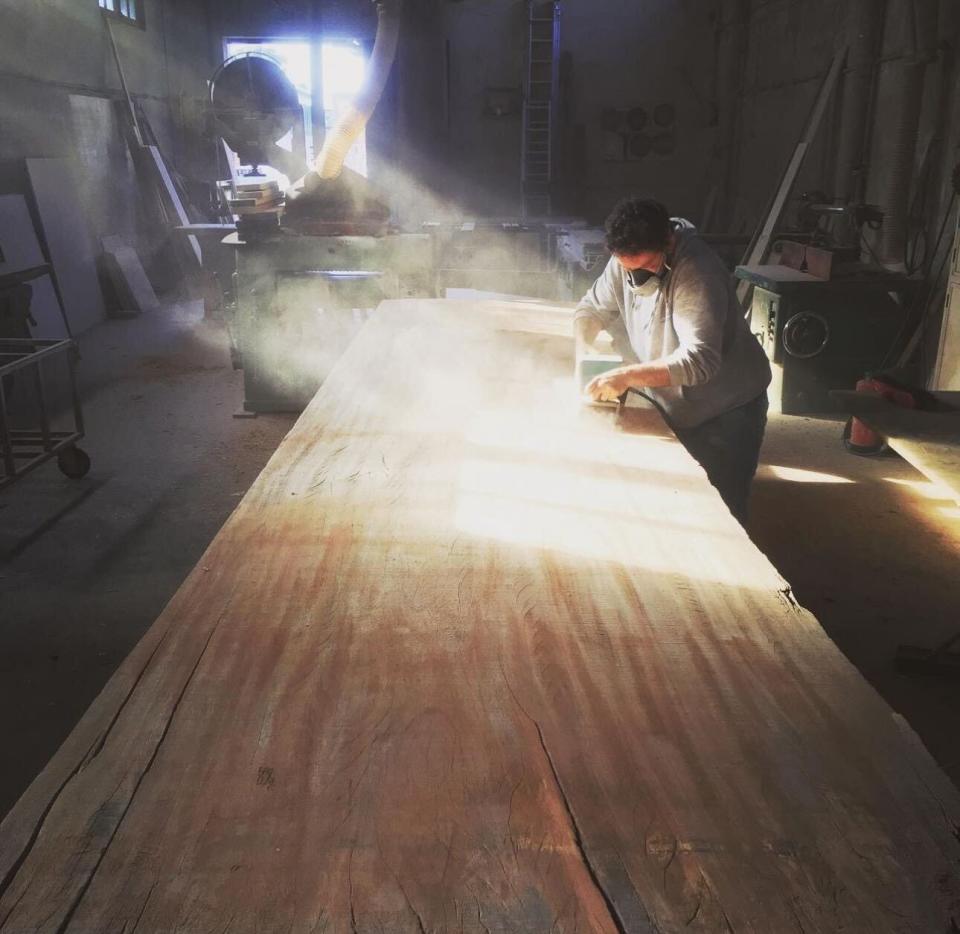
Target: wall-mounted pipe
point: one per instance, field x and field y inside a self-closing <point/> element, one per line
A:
<point x="947" y="132"/>
<point x="351" y="124"/>
<point x="864" y="32"/>
<point x="896" y="127"/>
<point x="733" y="32"/>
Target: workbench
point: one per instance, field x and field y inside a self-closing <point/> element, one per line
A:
<point x="470" y="656"/>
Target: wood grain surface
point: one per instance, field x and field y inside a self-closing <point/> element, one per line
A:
<point x="472" y="657"/>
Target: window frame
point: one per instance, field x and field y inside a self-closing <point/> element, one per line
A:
<point x="139" y="19"/>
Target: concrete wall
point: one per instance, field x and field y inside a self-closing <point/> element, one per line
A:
<point x="790" y="45"/>
<point x="741" y="74"/>
<point x="789" y="48"/>
<point x="442" y="154"/>
<point x="58" y="84"/>
<point x="618" y="54"/>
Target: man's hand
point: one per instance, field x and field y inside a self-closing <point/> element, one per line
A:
<point x="610" y="386"/>
<point x="587" y="331"/>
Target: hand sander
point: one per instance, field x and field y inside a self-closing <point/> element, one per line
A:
<point x="591" y="364"/>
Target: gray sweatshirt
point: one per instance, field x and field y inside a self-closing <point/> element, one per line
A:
<point x="694" y="325"/>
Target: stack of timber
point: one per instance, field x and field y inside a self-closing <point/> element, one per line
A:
<point x="472" y="657"/>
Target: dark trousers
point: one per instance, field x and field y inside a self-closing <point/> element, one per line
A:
<point x="728" y="448"/>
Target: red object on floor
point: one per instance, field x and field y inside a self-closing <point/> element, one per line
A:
<point x="864" y="440"/>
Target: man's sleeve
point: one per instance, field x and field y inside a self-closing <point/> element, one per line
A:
<point x="603" y="301"/>
<point x="700" y="308"/>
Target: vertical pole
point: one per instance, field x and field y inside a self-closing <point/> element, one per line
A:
<point x="72" y="357"/>
<point x="123" y="82"/>
<point x="6" y="446"/>
<point x="42" y="402"/>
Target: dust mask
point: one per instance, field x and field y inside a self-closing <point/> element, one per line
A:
<point x="646" y="284"/>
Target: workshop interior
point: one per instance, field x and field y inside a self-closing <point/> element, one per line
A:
<point x="288" y="293"/>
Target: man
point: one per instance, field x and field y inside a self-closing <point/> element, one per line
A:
<point x="689" y="349"/>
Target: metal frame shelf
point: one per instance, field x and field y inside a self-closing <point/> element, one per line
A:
<point x="24" y="449"/>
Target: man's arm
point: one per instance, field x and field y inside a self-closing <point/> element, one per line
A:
<point x="586" y="331"/>
<point x="699" y="312"/>
<point x="699" y="309"/>
<point x="600" y="307"/>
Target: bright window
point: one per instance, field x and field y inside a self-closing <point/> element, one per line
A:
<point x="131" y="10"/>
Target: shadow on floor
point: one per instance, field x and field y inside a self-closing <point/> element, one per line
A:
<point x="870" y="547"/>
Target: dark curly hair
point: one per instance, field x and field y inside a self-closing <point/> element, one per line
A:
<point x="638" y="225"/>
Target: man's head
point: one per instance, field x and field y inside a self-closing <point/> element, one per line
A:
<point x="640" y="235"/>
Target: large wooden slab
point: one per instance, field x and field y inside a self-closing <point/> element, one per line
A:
<point x="470" y="657"/>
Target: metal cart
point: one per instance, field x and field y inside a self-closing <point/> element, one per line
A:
<point x="24" y="449"/>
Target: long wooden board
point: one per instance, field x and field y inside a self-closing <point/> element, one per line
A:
<point x="930" y="441"/>
<point x="472" y="657"/>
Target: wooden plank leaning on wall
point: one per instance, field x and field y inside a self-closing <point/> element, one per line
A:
<point x="471" y="657"/>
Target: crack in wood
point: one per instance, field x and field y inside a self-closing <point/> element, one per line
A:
<point x="13" y="908"/>
<point x="480" y="920"/>
<point x="143" y="910"/>
<point x="578" y="838"/>
<point x="85" y="760"/>
<point x="787" y="595"/>
<point x="574" y="826"/>
<point x="98" y="747"/>
<point x="420" y="925"/>
<point x="353" y="914"/>
<point x="68" y="918"/>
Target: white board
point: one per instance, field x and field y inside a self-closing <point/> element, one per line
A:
<point x="19" y="247"/>
<point x="45" y="311"/>
<point x="68" y="239"/>
<point x="128" y="276"/>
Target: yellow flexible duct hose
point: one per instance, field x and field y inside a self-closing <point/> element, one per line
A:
<point x="352" y="122"/>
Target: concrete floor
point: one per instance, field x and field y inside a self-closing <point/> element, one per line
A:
<point x="86" y="566"/>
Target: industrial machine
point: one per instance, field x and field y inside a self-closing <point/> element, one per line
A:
<point x="824" y="333"/>
<point x="308" y="257"/>
<point x="824" y="317"/>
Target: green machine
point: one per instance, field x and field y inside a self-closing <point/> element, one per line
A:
<point x="300" y="298"/>
<point x="824" y="334"/>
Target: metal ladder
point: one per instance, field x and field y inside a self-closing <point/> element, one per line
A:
<point x="540" y="107"/>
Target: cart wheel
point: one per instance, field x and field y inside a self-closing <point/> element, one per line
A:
<point x="73" y="463"/>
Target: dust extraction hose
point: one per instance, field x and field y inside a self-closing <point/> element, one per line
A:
<point x="351" y="124"/>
